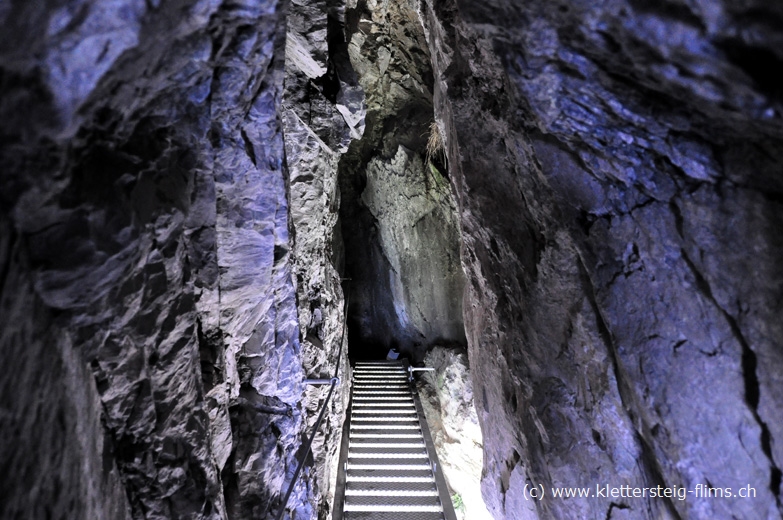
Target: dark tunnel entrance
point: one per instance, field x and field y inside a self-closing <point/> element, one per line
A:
<point x="401" y="242"/>
<point x="399" y="231"/>
<point x="401" y="246"/>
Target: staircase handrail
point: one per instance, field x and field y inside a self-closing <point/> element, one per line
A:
<point x="332" y="383"/>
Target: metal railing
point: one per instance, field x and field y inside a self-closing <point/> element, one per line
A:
<point x="333" y="382"/>
<point x="338" y="511"/>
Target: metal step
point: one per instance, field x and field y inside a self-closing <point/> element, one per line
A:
<point x="374" y="384"/>
<point x="391" y="508"/>
<point x="385" y="405"/>
<point x="361" y="478"/>
<point x="382" y="427"/>
<point x="381" y="409"/>
<point x="387" y="445"/>
<point x="363" y="515"/>
<point x="355" y="455"/>
<point x="391" y="492"/>
<point x="367" y="394"/>
<point x="399" y="447"/>
<point x="389" y="411"/>
<point x="379" y="371"/>
<point x="379" y="389"/>
<point x="361" y="378"/>
<point x="368" y="485"/>
<point x="379" y="395"/>
<point x="393" y="389"/>
<point x="380" y="375"/>
<point x="385" y="420"/>
<point x="390" y="479"/>
<point x="394" y="500"/>
<point x="383" y="378"/>
<point x="384" y="415"/>
<point x="375" y="466"/>
<point x="407" y="448"/>
<point x="370" y="390"/>
<point x="374" y="380"/>
<point x="386" y="436"/>
<point x="391" y="398"/>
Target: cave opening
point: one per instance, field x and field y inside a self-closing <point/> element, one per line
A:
<point x="398" y="223"/>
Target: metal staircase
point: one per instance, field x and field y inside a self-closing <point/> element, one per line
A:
<point x="389" y="466"/>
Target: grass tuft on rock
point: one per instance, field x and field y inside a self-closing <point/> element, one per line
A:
<point x="435" y="143"/>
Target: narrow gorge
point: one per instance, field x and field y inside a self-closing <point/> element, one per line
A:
<point x="572" y="211"/>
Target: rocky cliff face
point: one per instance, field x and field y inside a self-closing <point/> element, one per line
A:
<point x="616" y="167"/>
<point x="446" y="395"/>
<point x="398" y="216"/>
<point x="323" y="110"/>
<point x="153" y="314"/>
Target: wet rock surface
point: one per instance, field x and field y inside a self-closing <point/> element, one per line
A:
<point x="614" y="167"/>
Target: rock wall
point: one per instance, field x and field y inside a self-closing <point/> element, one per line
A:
<point x="398" y="216"/>
<point x="446" y="396"/>
<point x="170" y="247"/>
<point x="616" y="172"/>
<point x="151" y="315"/>
<point x="56" y="458"/>
<point x="323" y="110"/>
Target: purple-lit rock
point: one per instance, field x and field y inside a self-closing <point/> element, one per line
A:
<point x="185" y="187"/>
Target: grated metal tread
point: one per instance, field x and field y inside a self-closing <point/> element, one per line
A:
<point x="381" y="427"/>
<point x="382" y="395"/>
<point x="381" y="455"/>
<point x="355" y="515"/>
<point x="381" y="385"/>
<point x="377" y="374"/>
<point x="366" y="479"/>
<point x="371" y="373"/>
<point x="369" y="376"/>
<point x="363" y="405"/>
<point x="387" y="447"/>
<point x="411" y="445"/>
<point x="395" y="435"/>
<point x="385" y="420"/>
<point x="386" y="471"/>
<point x="405" y="474"/>
<point x="361" y="412"/>
<point x="391" y="486"/>
<point x="383" y="392"/>
<point x="387" y="465"/>
<point x="393" y="508"/>
<point x="398" y="500"/>
<point x="391" y="492"/>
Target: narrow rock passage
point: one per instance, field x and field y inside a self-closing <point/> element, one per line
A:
<point x="389" y="469"/>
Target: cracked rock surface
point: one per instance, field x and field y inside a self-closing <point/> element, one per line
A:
<point x="616" y="168"/>
<point x="185" y="183"/>
<point x="153" y="314"/>
<point x="398" y="215"/>
<point x="447" y="399"/>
